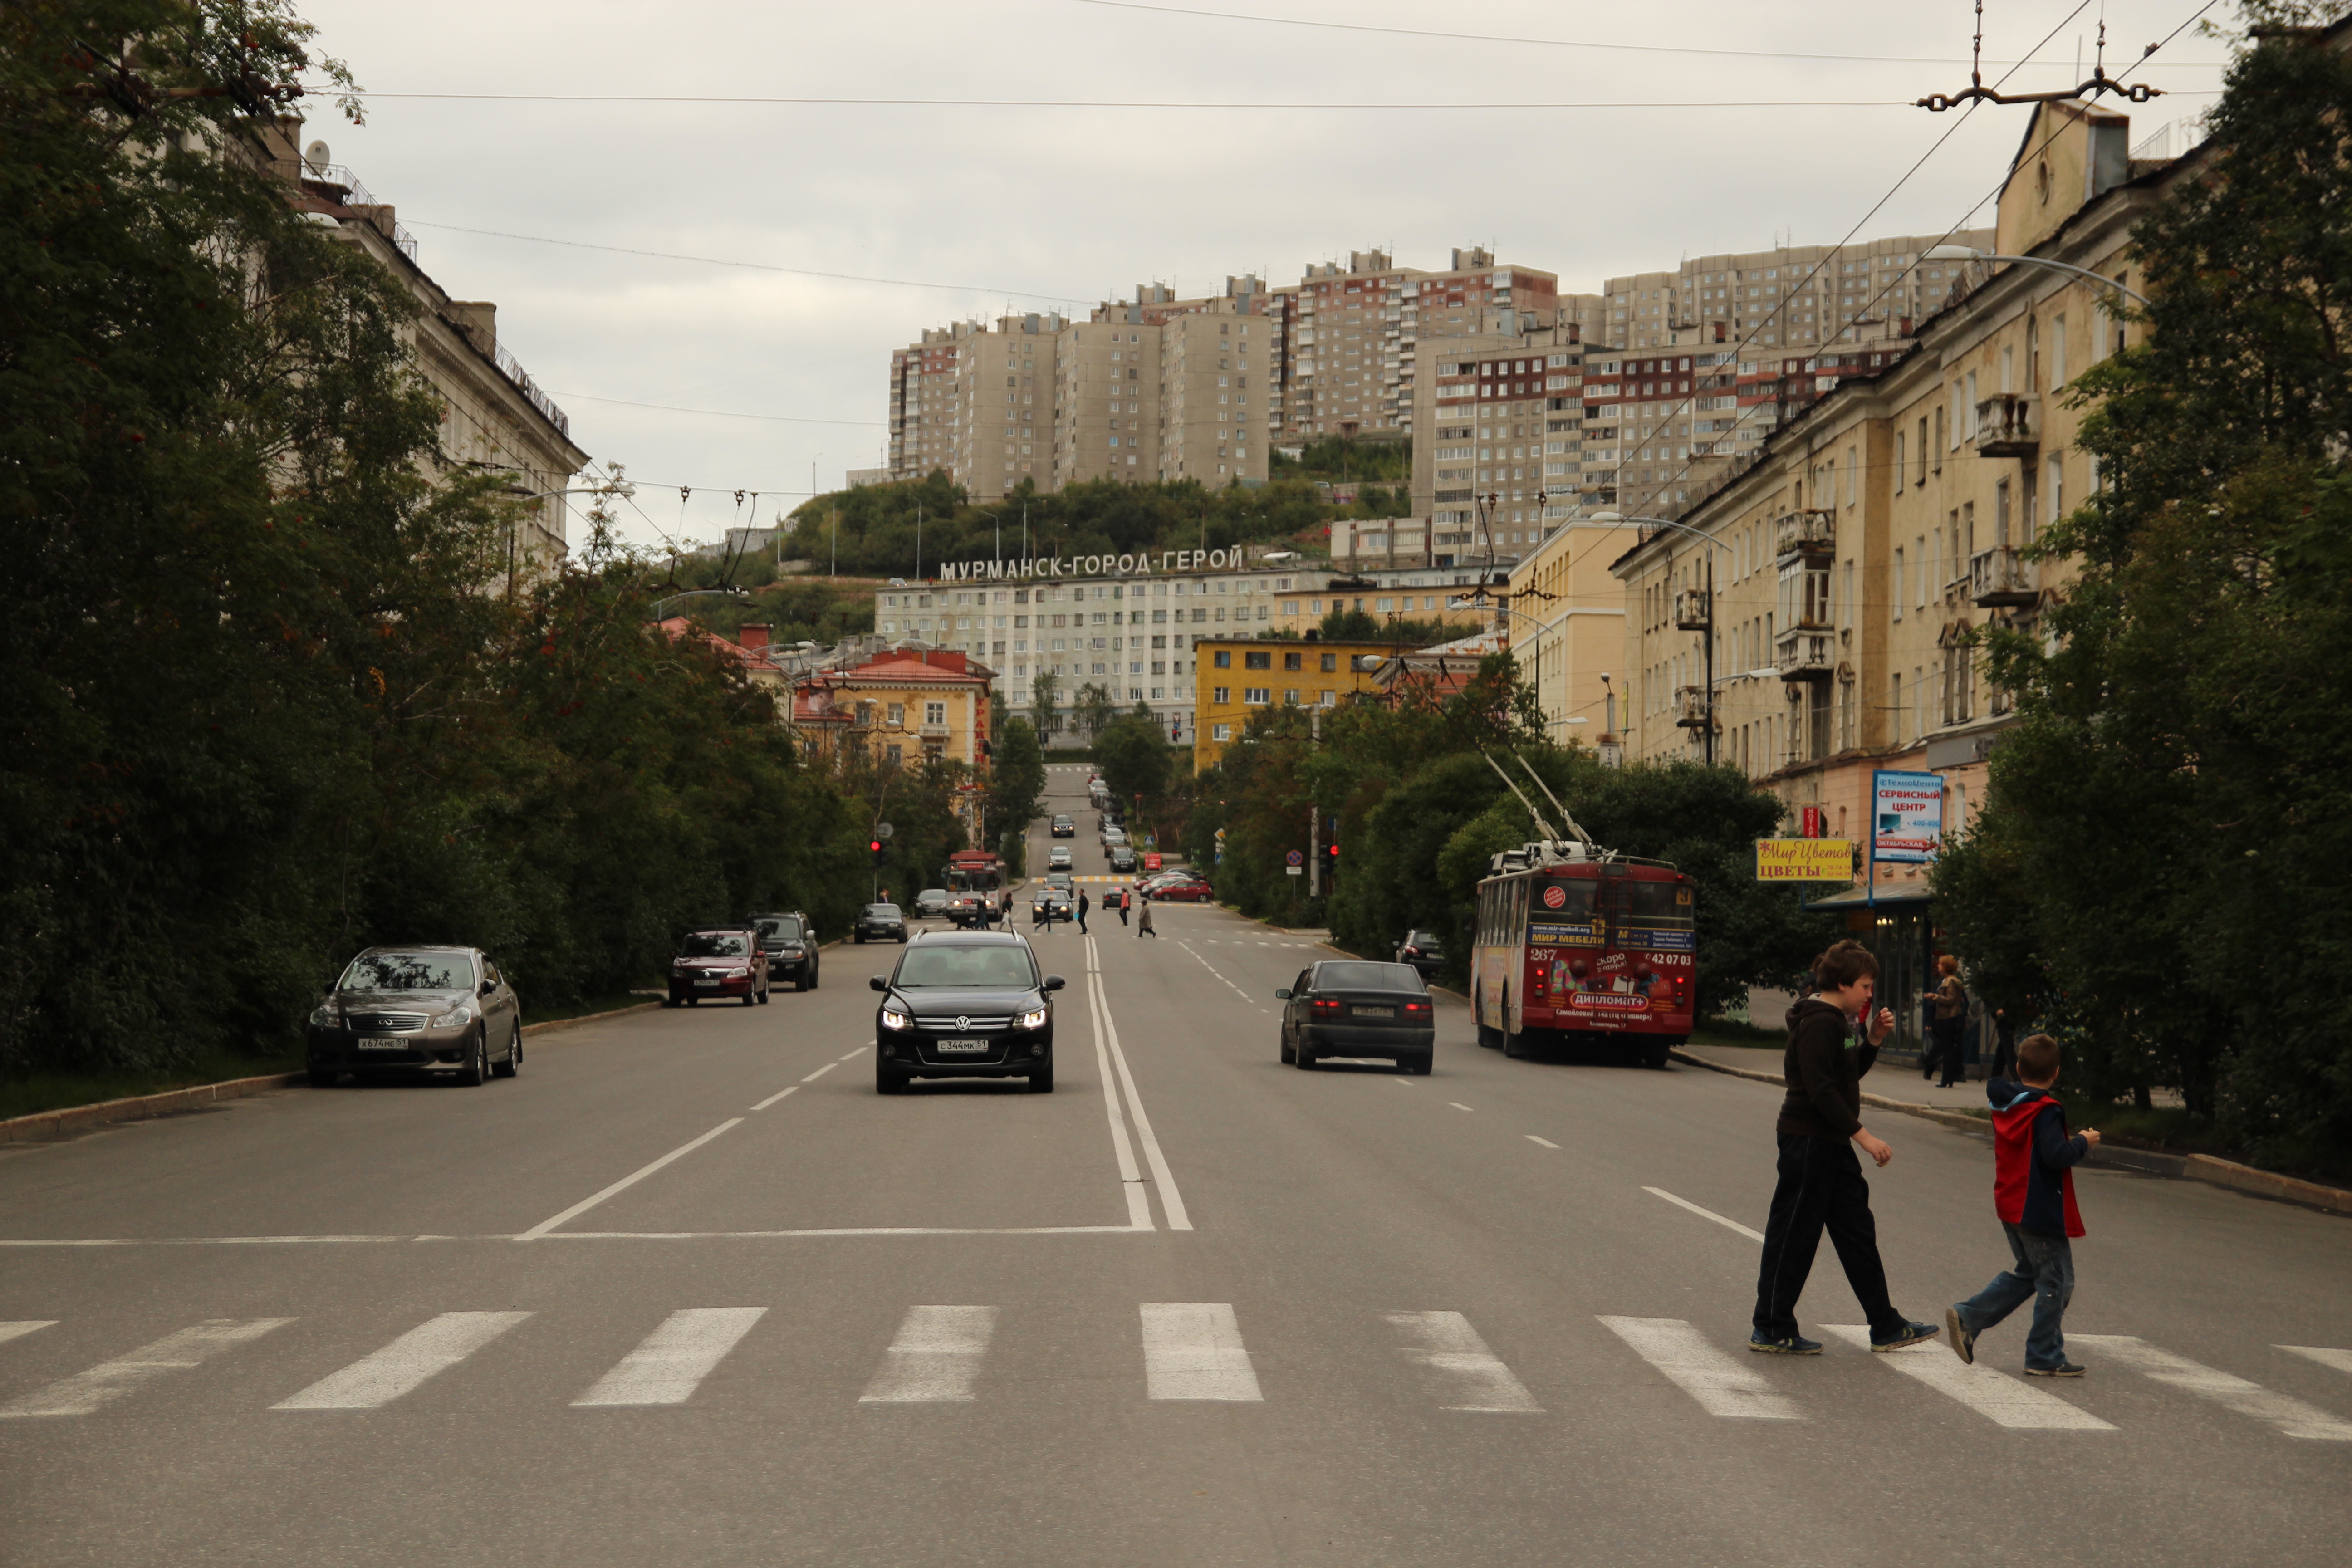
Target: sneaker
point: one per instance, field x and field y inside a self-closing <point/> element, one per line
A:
<point x="1964" y="1343"/>
<point x="2064" y="1369"/>
<point x="1795" y="1344"/>
<point x="1910" y="1335"/>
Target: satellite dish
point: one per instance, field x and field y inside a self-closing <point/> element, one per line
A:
<point x="317" y="156"/>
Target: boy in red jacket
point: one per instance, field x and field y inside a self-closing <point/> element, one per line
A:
<point x="2033" y="1193"/>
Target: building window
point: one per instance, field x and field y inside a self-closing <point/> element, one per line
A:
<point x="1222" y="658"/>
<point x="935" y="712"/>
<point x="1330" y="663"/>
<point x="1257" y="661"/>
<point x="1220" y="695"/>
<point x="1221" y="732"/>
<point x="897" y="713"/>
<point x="1257" y="695"/>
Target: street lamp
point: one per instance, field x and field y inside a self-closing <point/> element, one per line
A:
<point x="1707" y="630"/>
<point x="1968" y="253"/>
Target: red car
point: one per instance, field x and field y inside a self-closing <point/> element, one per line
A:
<point x="1182" y="890"/>
<point x="721" y="962"/>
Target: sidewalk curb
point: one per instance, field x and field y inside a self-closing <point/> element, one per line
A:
<point x="2204" y="1168"/>
<point x="553" y="1024"/>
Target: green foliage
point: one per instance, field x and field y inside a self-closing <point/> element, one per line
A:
<point x="1135" y="758"/>
<point x="1045" y="703"/>
<point x="1016" y="780"/>
<point x="1344" y="460"/>
<point x="1344" y="624"/>
<point x="2169" y="831"/>
<point x="1092" y="711"/>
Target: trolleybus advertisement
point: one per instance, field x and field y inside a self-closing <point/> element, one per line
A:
<point x="1906" y="816"/>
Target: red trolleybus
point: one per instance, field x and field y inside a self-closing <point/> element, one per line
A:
<point x="975" y="887"/>
<point x="1576" y="945"/>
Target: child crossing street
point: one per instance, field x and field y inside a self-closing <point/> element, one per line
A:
<point x="2034" y="1193"/>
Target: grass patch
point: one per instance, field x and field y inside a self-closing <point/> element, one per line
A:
<point x="28" y="1094"/>
<point x="605" y="1002"/>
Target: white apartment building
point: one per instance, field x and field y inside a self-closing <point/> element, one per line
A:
<point x="1003" y="407"/>
<point x="1107" y="395"/>
<point x="1502" y="421"/>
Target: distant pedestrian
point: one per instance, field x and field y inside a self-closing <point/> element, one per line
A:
<point x="1951" y="1021"/>
<point x="1082" y="911"/>
<point x="2004" y="1050"/>
<point x="1820" y="1182"/>
<point x="1042" y="914"/>
<point x="1126" y="897"/>
<point x="2034" y="1193"/>
<point x="1143" y="922"/>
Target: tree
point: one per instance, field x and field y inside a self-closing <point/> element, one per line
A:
<point x="1016" y="776"/>
<point x="1132" y="755"/>
<point x="2170" y="824"/>
<point x="1043" y="693"/>
<point x="1092" y="711"/>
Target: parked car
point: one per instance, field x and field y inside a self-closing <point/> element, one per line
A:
<point x="1111" y="835"/>
<point x="1065" y="829"/>
<point x="932" y="903"/>
<point x="439" y="1010"/>
<point x="715" y="962"/>
<point x="1353" y="1008"/>
<point x="1191" y="890"/>
<point x="1057" y="859"/>
<point x="879" y="922"/>
<point x="1423" y="951"/>
<point x="966" y="1004"/>
<point x="1122" y="858"/>
<point x="790" y="941"/>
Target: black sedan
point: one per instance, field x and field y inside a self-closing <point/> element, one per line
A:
<point x="1349" y="1008"/>
<point x="790" y="942"/>
<point x="879" y="922"/>
<point x="1065" y="829"/>
<point x="966" y="1004"/>
<point x="418" y="1009"/>
<point x="1422" y="950"/>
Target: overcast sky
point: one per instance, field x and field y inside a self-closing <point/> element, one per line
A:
<point x="990" y="209"/>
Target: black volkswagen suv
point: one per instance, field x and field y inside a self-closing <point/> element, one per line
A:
<point x="965" y="1004"/>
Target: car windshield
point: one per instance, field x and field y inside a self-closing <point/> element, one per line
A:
<point x="781" y="929"/>
<point x="408" y="972"/>
<point x="1367" y="977"/>
<point x="882" y="912"/>
<point x="934" y="964"/>
<point x="714" y="944"/>
<point x="1423" y="938"/>
<point x="1061" y="822"/>
<point x="932" y="896"/>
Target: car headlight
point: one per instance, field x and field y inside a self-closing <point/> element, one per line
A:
<point x="1032" y="1019"/>
<point x="328" y="1016"/>
<point x="892" y="1018"/>
<point x="736" y="974"/>
<point x="455" y="1018"/>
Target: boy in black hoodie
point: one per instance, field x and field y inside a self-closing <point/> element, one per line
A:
<point x="2034" y="1193"/>
<point x="1821" y="1183"/>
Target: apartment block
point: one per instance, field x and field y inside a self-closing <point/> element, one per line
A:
<point x="1004" y="386"/>
<point x="1106" y="402"/>
<point x="1211" y="367"/>
<point x="923" y="403"/>
<point x="1501" y="431"/>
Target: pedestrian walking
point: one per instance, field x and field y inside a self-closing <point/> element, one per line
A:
<point x="1041" y="913"/>
<point x="1126" y="897"/>
<point x="1143" y="922"/>
<point x="1951" y="1019"/>
<point x="1821" y="1186"/>
<point x="2033" y="1162"/>
<point x="2004" y="1050"/>
<point x="1082" y="911"/>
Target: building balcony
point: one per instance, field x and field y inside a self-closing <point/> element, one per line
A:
<point x="1805" y="534"/>
<point x="2008" y="425"/>
<point x="1691" y="613"/>
<point x="2000" y="577"/>
<point x="934" y="732"/>
<point x="1805" y="654"/>
<point x="1690" y="708"/>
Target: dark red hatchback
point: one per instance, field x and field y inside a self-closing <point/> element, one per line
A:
<point x="719" y="962"/>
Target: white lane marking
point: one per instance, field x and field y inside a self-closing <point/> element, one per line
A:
<point x="1171" y="1202"/>
<point x="1130" y="1177"/>
<point x="1445" y="1343"/>
<point x="1406" y="1081"/>
<point x="820" y="1072"/>
<point x="669" y="1363"/>
<point x="2289" y="1414"/>
<point x="1193" y="1350"/>
<point x="1997" y="1396"/>
<point x="1458" y="1105"/>
<point x="406" y="1364"/>
<point x="193" y="1240"/>
<point x="775" y="1097"/>
<point x="1709" y="1213"/>
<point x="1702" y="1370"/>
<point x="85" y="1392"/>
<point x="1545" y="1141"/>
<point x="832" y="1230"/>
<point x="935" y="1360"/>
<point x="631" y="1179"/>
<point x="22" y="1326"/>
<point x="2340" y="1360"/>
<point x="425" y="1352"/>
<point x="854" y="1055"/>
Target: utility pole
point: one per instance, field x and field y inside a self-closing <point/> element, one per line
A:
<point x="1314" y="852"/>
<point x="1707" y="741"/>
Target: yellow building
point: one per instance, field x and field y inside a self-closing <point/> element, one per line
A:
<point x="1237" y="678"/>
<point x="1431" y="595"/>
<point x="904" y="707"/>
<point x="1567" y="615"/>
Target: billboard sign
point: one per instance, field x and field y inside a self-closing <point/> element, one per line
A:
<point x="1804" y="859"/>
<point x="1906" y="816"/>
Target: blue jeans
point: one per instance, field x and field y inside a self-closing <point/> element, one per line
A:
<point x="2045" y="1274"/>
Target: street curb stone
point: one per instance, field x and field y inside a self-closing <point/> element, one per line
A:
<point x="2194" y="1167"/>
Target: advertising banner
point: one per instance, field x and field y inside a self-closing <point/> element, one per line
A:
<point x="1804" y="859"/>
<point x="1906" y="816"/>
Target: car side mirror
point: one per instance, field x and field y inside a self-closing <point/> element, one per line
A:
<point x="1281" y="995"/>
<point x="879" y="983"/>
<point x="489" y="986"/>
<point x="1055" y="982"/>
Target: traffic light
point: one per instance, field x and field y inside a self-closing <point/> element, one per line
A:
<point x="874" y="847"/>
<point x="1330" y="858"/>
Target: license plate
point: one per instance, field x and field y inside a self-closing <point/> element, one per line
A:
<point x="963" y="1047"/>
<point x="1375" y="1012"/>
<point x="706" y="982"/>
<point x="380" y="1043"/>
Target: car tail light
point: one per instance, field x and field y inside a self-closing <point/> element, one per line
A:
<point x="1412" y="1007"/>
<point x="1325" y="1005"/>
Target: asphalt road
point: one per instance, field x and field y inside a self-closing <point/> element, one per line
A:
<point x="1194" y="1308"/>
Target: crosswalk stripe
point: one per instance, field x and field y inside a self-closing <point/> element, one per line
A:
<point x="85" y="1392"/>
<point x="1701" y="1369"/>
<point x="669" y="1363"/>
<point x="2340" y="1360"/>
<point x="1446" y="1343"/>
<point x="424" y="1352"/>
<point x="2289" y="1414"/>
<point x="19" y="1328"/>
<point x="2002" y="1399"/>
<point x="935" y="1360"/>
<point x="1193" y="1350"/>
